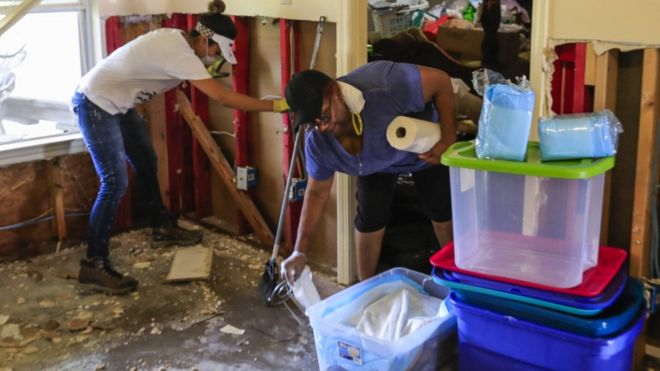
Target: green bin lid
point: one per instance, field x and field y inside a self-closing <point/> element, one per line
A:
<point x="463" y="154"/>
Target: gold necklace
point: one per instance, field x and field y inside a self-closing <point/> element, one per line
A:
<point x="358" y="131"/>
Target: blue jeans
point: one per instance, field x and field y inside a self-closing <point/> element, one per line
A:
<point x="111" y="139"/>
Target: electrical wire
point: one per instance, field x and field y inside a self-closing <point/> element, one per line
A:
<point x="39" y="219"/>
<point x="270" y="97"/>
<point x="79" y="192"/>
<point x="221" y="132"/>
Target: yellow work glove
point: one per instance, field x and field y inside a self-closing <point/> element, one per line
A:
<point x="280" y="105"/>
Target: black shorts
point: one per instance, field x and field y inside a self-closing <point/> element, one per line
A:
<point x="375" y="193"/>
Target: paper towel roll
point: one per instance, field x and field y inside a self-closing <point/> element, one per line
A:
<point x="413" y="135"/>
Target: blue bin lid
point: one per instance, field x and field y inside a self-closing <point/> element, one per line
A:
<point x="611" y="321"/>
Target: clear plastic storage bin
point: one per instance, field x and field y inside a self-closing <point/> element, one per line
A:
<point x="530" y="221"/>
<point x="342" y="347"/>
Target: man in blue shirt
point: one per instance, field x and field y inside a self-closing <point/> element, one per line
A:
<point x="349" y="118"/>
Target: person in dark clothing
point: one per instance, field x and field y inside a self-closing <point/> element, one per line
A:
<point x="349" y="118"/>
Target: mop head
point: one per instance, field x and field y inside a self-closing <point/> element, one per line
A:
<point x="269" y="281"/>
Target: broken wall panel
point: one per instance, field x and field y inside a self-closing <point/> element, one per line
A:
<point x="265" y="128"/>
<point x="24" y="195"/>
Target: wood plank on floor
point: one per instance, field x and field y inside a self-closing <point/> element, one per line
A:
<point x="192" y="263"/>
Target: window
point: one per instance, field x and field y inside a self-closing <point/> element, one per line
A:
<point x="55" y="40"/>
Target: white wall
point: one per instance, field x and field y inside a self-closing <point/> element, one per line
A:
<point x="295" y="9"/>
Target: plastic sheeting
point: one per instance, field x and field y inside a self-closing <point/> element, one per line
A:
<point x="583" y="135"/>
<point x="506" y="116"/>
<point x="399" y="313"/>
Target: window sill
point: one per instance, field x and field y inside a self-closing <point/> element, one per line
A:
<point x="41" y="149"/>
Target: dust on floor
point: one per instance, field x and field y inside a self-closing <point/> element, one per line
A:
<point x="47" y="322"/>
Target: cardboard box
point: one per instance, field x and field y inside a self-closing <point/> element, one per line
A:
<point x="465" y="44"/>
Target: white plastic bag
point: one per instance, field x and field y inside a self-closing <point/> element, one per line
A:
<point x="304" y="290"/>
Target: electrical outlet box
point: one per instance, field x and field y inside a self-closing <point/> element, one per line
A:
<point x="246" y="177"/>
<point x="297" y="190"/>
<point x="651" y="294"/>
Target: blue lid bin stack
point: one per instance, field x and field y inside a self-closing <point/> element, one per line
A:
<point x="531" y="287"/>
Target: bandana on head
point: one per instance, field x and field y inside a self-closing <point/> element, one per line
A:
<point x="225" y="43"/>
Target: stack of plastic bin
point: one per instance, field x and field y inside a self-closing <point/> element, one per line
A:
<point x="532" y="288"/>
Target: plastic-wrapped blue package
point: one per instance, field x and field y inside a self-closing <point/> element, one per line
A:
<point x="506" y="117"/>
<point x="582" y="135"/>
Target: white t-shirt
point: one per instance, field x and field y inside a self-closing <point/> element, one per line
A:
<point x="143" y="68"/>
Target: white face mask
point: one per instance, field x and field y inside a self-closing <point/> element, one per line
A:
<point x="207" y="59"/>
<point x="352" y="97"/>
<point x="226" y="44"/>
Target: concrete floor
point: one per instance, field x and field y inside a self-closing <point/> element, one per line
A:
<point x="47" y="323"/>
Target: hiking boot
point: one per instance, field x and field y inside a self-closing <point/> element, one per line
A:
<point x="170" y="234"/>
<point x="97" y="274"/>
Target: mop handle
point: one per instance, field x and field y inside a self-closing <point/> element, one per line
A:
<point x="317" y="42"/>
<point x="285" y="199"/>
<point x="296" y="146"/>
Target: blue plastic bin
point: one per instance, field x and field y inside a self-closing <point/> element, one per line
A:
<point x="612" y="320"/>
<point x="493" y="341"/>
<point x="532" y="295"/>
<point x="443" y="280"/>
<point x="342" y="347"/>
<point x="604" y="300"/>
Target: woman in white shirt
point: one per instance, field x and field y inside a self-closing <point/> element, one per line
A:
<point x="113" y="130"/>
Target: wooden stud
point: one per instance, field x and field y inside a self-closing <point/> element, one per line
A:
<point x="607" y="65"/>
<point x="590" y="66"/>
<point x="289" y="62"/>
<point x="57" y="197"/>
<point x="175" y="136"/>
<point x="640" y="237"/>
<point x="606" y="73"/>
<point x="640" y="245"/>
<point x="224" y="170"/>
<point x="158" y="132"/>
<point x="294" y="211"/>
<point x="579" y="91"/>
<point x="242" y="119"/>
<point x="201" y="168"/>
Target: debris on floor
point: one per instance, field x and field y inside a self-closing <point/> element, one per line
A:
<point x="229" y="329"/>
<point x="47" y="322"/>
<point x="193" y="263"/>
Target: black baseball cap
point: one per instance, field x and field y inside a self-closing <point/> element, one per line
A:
<point x="304" y="94"/>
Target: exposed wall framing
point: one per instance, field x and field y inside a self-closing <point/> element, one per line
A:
<point x="26" y="193"/>
<point x="646" y="151"/>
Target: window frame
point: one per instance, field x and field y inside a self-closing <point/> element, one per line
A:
<point x="47" y="147"/>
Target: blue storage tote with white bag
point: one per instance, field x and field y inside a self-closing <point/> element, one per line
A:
<point x="397" y="320"/>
